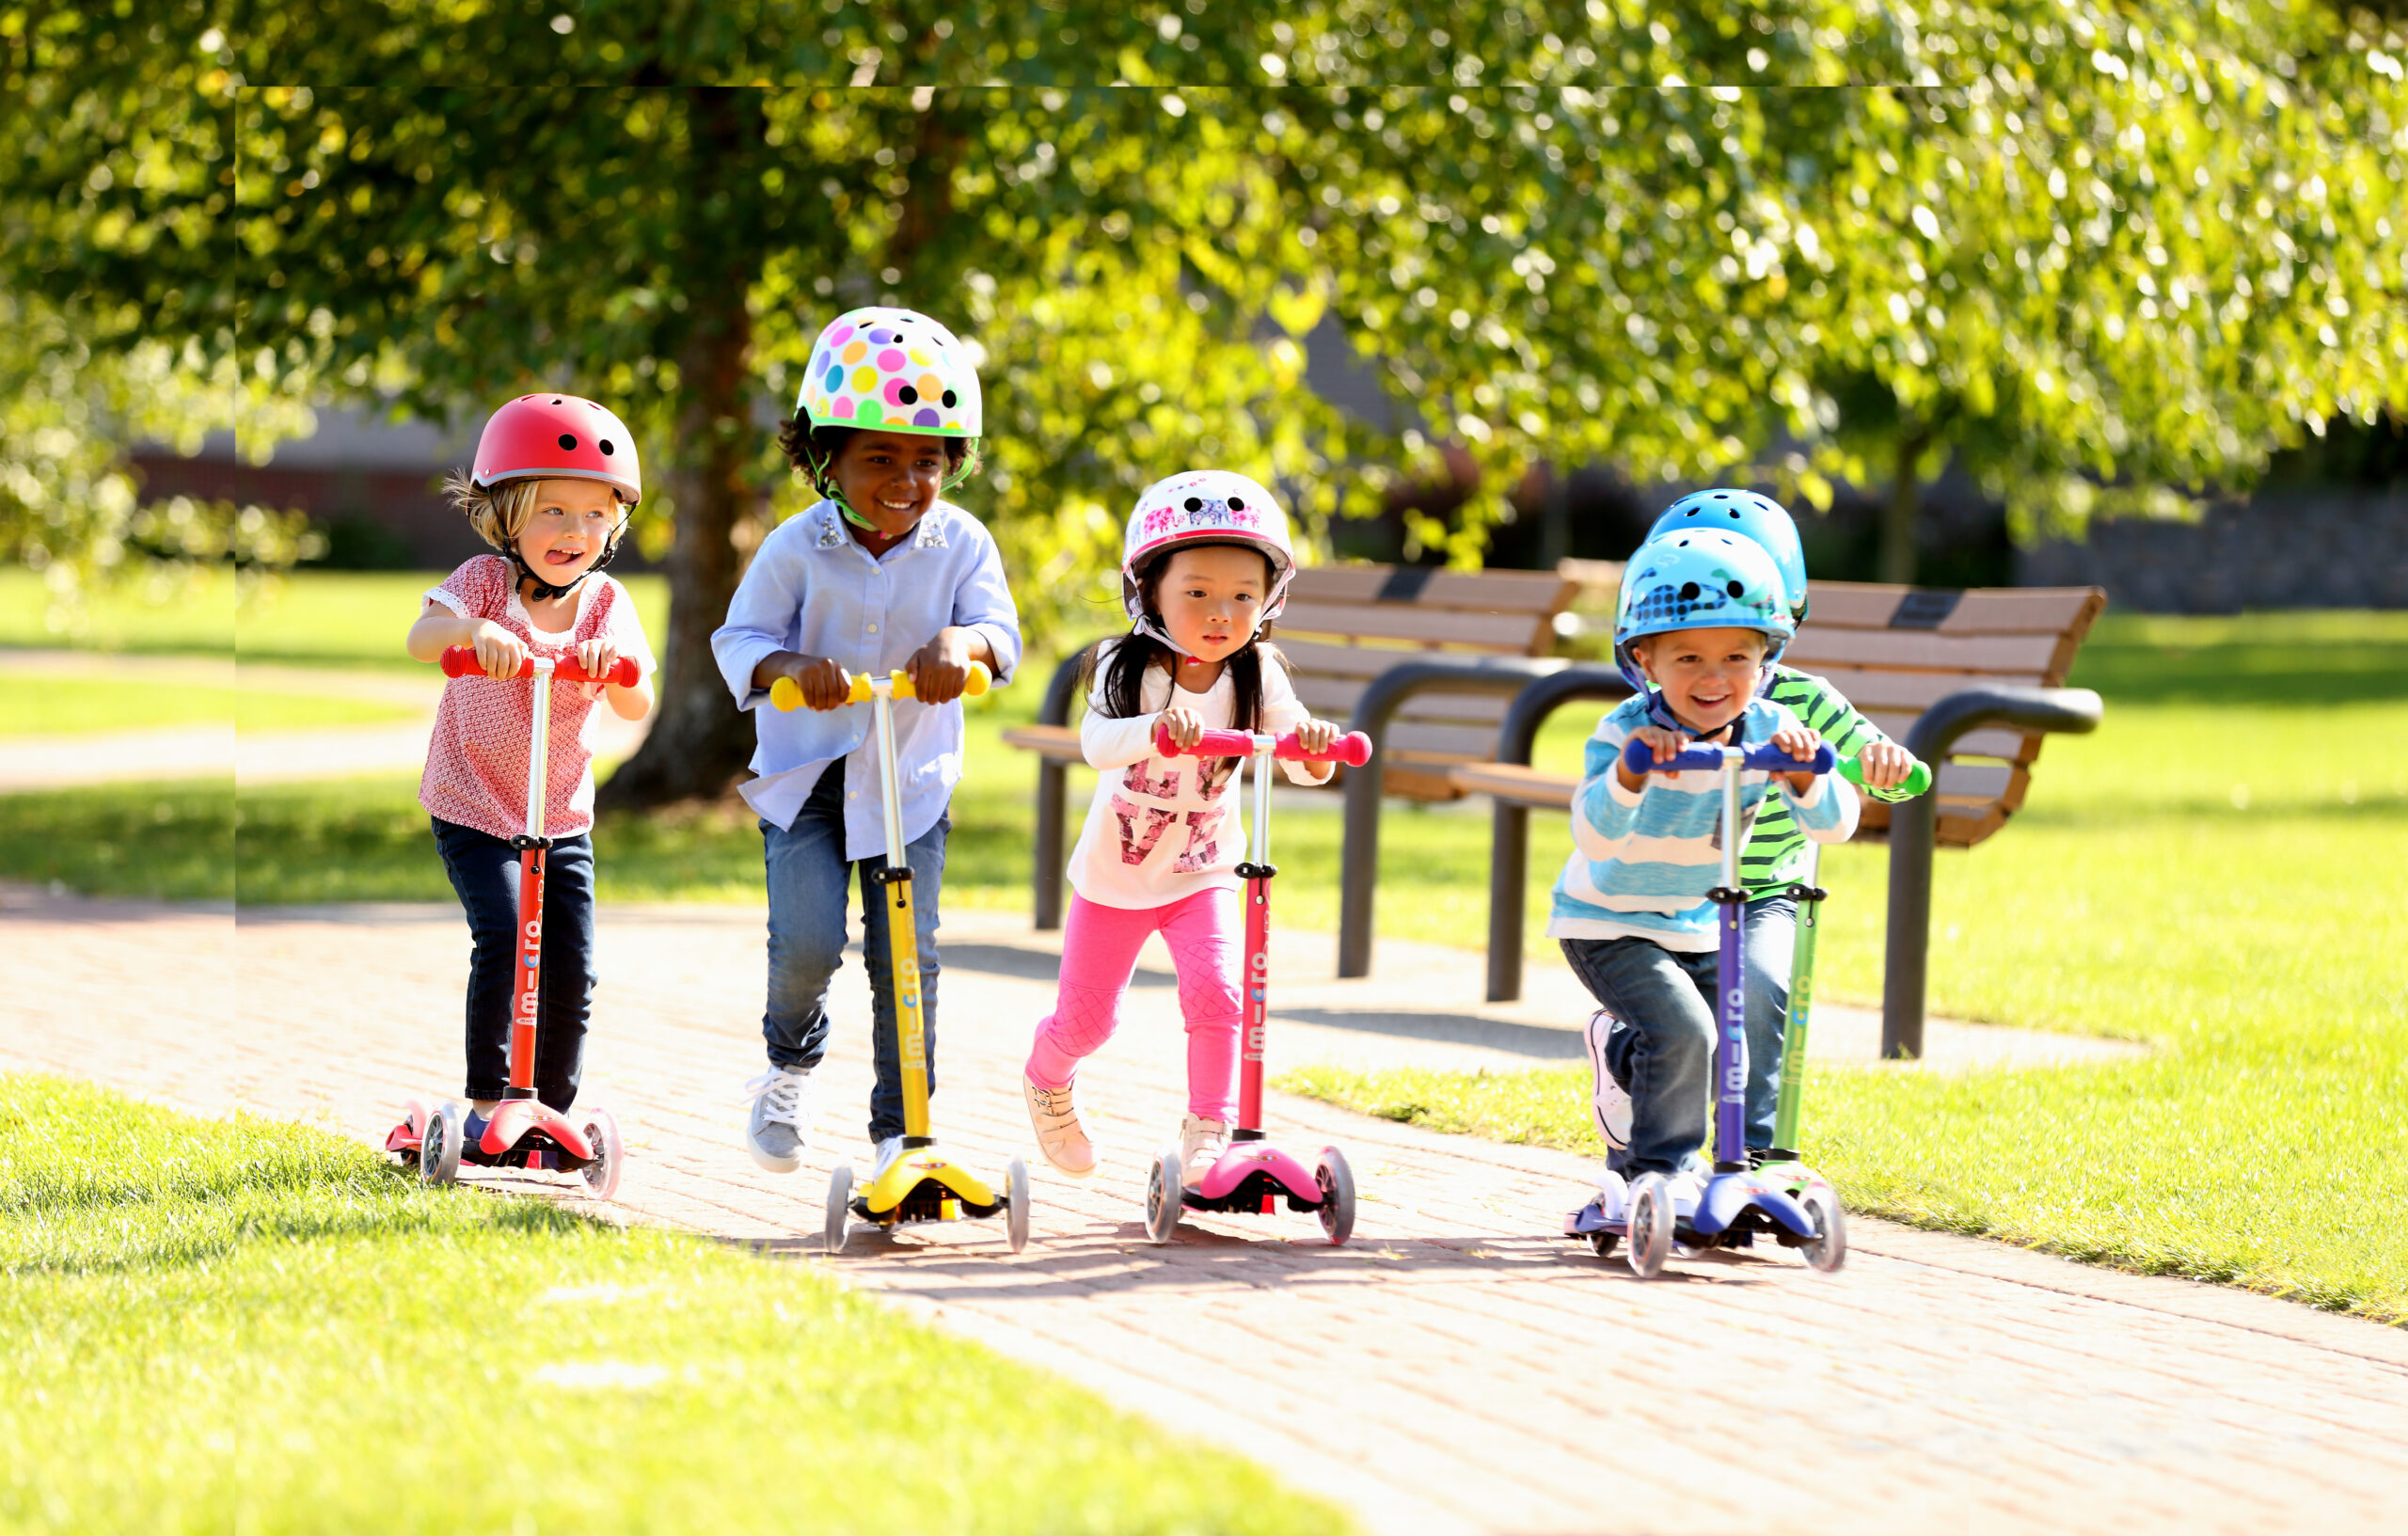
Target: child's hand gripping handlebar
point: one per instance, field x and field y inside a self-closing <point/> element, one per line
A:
<point x="785" y="693"/>
<point x="461" y="661"/>
<point x="1917" y="780"/>
<point x="1763" y="756"/>
<point x="1353" y="749"/>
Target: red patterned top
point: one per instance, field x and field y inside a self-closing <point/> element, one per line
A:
<point x="476" y="765"/>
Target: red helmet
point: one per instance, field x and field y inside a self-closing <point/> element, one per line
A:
<point x="558" y="435"/>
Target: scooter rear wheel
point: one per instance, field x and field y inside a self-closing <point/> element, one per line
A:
<point x="1827" y="1250"/>
<point x="1164" y="1187"/>
<point x="840" y="1206"/>
<point x="439" y="1143"/>
<point x="601" y="1175"/>
<point x="1650" y="1226"/>
<point x="1016" y="1207"/>
<point x="1336" y="1181"/>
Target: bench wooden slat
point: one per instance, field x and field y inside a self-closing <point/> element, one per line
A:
<point x="2025" y="658"/>
<point x="1320" y="659"/>
<point x="1059" y="742"/>
<point x="1993" y="611"/>
<point x="1516" y="784"/>
<point x="1994" y="741"/>
<point x="1461" y="743"/>
<point x="1508" y="634"/>
<point x="1533" y="594"/>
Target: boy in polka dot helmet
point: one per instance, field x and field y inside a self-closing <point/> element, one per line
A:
<point x="888" y="371"/>
<point x="881" y="575"/>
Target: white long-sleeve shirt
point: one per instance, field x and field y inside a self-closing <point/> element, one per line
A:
<point x="1162" y="828"/>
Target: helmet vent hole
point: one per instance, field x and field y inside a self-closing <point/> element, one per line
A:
<point x="568" y="441"/>
<point x="556" y="402"/>
<point x="1688" y="592"/>
<point x="1735" y="589"/>
<point x="606" y="449"/>
<point x="1194" y="503"/>
<point x="1237" y="503"/>
<point x="951" y="400"/>
<point x="909" y="395"/>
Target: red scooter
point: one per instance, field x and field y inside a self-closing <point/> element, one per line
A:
<point x="1255" y="1174"/>
<point x="523" y="1132"/>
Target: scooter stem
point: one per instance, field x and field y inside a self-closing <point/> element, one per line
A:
<point x="1257" y="871"/>
<point x="1801" y="1004"/>
<point x="902" y="930"/>
<point x="1730" y="1003"/>
<point x="526" y="991"/>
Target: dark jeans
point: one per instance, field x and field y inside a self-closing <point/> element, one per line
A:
<point x="484" y="871"/>
<point x="809" y="882"/>
<point x="1661" y="1050"/>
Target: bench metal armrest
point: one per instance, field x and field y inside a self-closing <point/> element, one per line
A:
<point x="1052" y="790"/>
<point x="1914" y="824"/>
<point x="1359" y="860"/>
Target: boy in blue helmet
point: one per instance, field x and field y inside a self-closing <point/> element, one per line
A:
<point x="1703" y="621"/>
<point x="1775" y="860"/>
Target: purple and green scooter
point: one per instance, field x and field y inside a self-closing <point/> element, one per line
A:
<point x="1782" y="1195"/>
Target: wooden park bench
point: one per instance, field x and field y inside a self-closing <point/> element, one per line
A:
<point x="1425" y="661"/>
<point x="1968" y="681"/>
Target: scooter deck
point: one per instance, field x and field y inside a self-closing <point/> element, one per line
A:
<point x="521" y="1134"/>
<point x="1250" y="1179"/>
<point x="919" y="1185"/>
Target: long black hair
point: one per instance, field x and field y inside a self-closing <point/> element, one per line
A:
<point x="1137" y="653"/>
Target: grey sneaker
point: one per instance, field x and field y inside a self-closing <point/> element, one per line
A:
<point x="1609" y="1101"/>
<point x="780" y="1129"/>
<point x="888" y="1151"/>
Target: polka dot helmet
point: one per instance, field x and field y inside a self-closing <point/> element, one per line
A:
<point x="558" y="435"/>
<point x="896" y="369"/>
<point x="1704" y="579"/>
<point x="1758" y="517"/>
<point x="1203" y="506"/>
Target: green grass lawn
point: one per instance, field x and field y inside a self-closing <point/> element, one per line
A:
<point x="193" y="616"/>
<point x="360" y="618"/>
<point x="34" y="704"/>
<point x="2212" y="877"/>
<point x="173" y="841"/>
<point x="244" y="1325"/>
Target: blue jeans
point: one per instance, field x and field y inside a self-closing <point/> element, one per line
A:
<point x="809" y="882"/>
<point x="484" y="871"/>
<point x="1662" y="1047"/>
<point x="1769" y="942"/>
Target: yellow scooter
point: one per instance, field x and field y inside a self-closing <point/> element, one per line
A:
<point x="921" y="1184"/>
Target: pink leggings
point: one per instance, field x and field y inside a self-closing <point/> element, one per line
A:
<point x="1100" y="948"/>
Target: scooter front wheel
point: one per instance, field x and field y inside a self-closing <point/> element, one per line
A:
<point x="1827" y="1250"/>
<point x="840" y="1206"/>
<point x="1016" y="1208"/>
<point x="1650" y="1226"/>
<point x="1336" y="1181"/>
<point x="1164" y="1187"/>
<point x="439" y="1143"/>
<point x="601" y="1175"/>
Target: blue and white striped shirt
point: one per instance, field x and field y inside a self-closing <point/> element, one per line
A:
<point x="1641" y="864"/>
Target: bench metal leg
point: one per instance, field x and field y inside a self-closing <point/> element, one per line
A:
<point x="1904" y="962"/>
<point x="1358" y="869"/>
<point x="1053" y="795"/>
<point x="1508" y="869"/>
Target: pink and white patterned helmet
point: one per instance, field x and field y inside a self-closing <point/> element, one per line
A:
<point x="891" y="369"/>
<point x="1203" y="506"/>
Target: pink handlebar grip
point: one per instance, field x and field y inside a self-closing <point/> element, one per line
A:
<point x="1353" y="749"/>
<point x="461" y="661"/>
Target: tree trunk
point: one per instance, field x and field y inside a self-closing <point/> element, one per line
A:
<point x="1898" y="544"/>
<point x="700" y="742"/>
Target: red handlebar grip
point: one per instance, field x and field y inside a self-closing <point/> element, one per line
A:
<point x="1353" y="749"/>
<point x="461" y="661"/>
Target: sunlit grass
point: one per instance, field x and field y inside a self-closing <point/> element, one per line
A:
<point x="216" y="1325"/>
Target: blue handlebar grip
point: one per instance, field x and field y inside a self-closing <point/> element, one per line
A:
<point x="1763" y="756"/>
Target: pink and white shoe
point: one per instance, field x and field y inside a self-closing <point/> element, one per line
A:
<point x="1201" y="1142"/>
<point x="1060" y="1136"/>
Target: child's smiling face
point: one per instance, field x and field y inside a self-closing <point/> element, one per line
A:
<point x="890" y="478"/>
<point x="1708" y="675"/>
<point x="568" y="530"/>
<point x="1210" y="599"/>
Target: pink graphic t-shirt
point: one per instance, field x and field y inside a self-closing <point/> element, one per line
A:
<point x="476" y="762"/>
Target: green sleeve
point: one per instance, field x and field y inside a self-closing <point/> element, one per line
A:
<point x="1827" y="712"/>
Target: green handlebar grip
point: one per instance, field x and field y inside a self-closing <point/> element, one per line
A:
<point x="1917" y="781"/>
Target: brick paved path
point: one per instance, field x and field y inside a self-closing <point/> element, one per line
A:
<point x="1456" y="1369"/>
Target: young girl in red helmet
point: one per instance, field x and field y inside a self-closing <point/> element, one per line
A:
<point x="1205" y="566"/>
<point x="553" y="478"/>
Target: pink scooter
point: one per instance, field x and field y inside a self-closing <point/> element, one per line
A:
<point x="523" y="1132"/>
<point x="1254" y="1174"/>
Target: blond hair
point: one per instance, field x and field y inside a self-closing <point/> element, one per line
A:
<point x="498" y="512"/>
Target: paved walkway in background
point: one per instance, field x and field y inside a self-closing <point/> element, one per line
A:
<point x="1456" y="1369"/>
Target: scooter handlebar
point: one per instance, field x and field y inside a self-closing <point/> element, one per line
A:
<point x="1353" y="749"/>
<point x="1763" y="756"/>
<point x="1917" y="781"/>
<point x="461" y="661"/>
<point x="785" y="693"/>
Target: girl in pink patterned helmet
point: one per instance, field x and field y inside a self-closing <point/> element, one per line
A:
<point x="552" y="481"/>
<point x="1205" y="567"/>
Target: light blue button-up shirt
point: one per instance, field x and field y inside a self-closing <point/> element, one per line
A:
<point x="812" y="588"/>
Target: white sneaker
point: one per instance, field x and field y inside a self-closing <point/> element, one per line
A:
<point x="1059" y="1135"/>
<point x="1201" y="1142"/>
<point x="888" y="1151"/>
<point x="1609" y="1101"/>
<point x="780" y="1129"/>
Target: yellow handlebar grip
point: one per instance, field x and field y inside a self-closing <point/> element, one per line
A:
<point x="857" y="688"/>
<point x="785" y="693"/>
